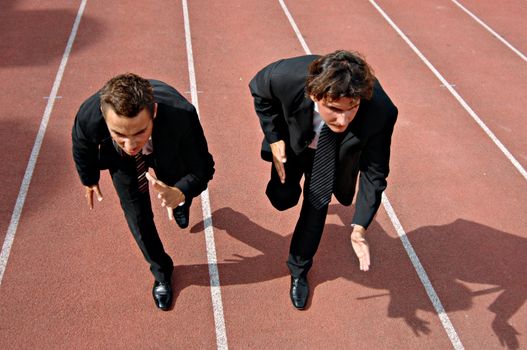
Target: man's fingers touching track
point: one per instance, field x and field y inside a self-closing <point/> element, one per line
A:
<point x="362" y="251"/>
<point x="365" y="259"/>
<point x="89" y="197"/>
<point x="89" y="194"/>
<point x="98" y="193"/>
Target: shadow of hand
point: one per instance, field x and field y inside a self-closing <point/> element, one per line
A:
<point x="417" y="325"/>
<point x="507" y="334"/>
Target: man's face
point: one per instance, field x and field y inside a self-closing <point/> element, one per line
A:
<point x="337" y="114"/>
<point x="131" y="134"/>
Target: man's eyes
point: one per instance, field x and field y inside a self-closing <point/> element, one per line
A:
<point x="124" y="136"/>
<point x="338" y="110"/>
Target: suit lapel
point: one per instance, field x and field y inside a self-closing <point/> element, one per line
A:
<point x="301" y="125"/>
<point x="304" y="112"/>
<point x="348" y="137"/>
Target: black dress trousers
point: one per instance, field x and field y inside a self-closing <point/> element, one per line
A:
<point x="137" y="209"/>
<point x="310" y="225"/>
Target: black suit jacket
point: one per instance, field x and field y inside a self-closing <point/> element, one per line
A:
<point x="180" y="155"/>
<point x="286" y="113"/>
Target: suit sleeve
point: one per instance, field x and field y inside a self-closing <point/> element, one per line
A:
<point x="374" y="169"/>
<point x="266" y="105"/>
<point x="85" y="154"/>
<point x="198" y="159"/>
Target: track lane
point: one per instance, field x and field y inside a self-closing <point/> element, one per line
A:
<point x="507" y="19"/>
<point x="490" y="77"/>
<point x="28" y="65"/>
<point x="252" y="239"/>
<point x="76" y="278"/>
<point x="347" y="304"/>
<point x="468" y="197"/>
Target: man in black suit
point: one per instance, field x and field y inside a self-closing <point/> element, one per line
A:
<point x="300" y="102"/>
<point x="132" y="124"/>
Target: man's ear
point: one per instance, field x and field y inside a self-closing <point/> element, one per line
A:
<point x="313" y="98"/>
<point x="155" y="111"/>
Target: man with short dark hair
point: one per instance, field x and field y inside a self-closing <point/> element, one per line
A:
<point x="327" y="118"/>
<point x="132" y="124"/>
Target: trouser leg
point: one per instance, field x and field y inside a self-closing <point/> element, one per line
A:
<point x="309" y="227"/>
<point x="138" y="213"/>
<point x="306" y="238"/>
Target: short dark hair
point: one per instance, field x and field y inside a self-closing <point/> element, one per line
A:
<point x="340" y="74"/>
<point x="127" y="94"/>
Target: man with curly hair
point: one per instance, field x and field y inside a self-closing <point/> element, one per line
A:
<point x="326" y="118"/>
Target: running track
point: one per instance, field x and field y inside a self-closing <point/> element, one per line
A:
<point x="449" y="245"/>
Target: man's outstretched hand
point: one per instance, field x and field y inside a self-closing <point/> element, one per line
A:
<point x="170" y="196"/>
<point x="360" y="246"/>
<point x="89" y="190"/>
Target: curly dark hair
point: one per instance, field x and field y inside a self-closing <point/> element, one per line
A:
<point x="340" y="74"/>
<point x="127" y="94"/>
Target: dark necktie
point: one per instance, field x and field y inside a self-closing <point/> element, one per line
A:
<point x="141" y="172"/>
<point x="323" y="172"/>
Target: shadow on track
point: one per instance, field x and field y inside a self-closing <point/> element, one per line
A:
<point x="38" y="37"/>
<point x="460" y="251"/>
<point x="15" y="155"/>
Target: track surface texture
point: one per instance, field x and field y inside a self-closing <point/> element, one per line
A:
<point x="449" y="244"/>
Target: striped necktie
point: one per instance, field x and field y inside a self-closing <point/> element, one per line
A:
<point x="140" y="165"/>
<point x="323" y="171"/>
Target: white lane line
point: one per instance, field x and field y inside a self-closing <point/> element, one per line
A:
<point x="425" y="281"/>
<point x="491" y="31"/>
<point x="458" y="97"/>
<point x="215" y="289"/>
<point x="24" y="187"/>
<point x="432" y="295"/>
<point x="295" y="27"/>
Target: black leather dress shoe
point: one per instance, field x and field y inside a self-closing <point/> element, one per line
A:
<point x="162" y="292"/>
<point x="299" y="292"/>
<point x="181" y="215"/>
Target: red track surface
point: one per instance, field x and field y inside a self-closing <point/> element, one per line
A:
<point x="75" y="278"/>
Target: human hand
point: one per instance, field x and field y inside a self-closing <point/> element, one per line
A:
<point x="279" y="158"/>
<point x="170" y="196"/>
<point x="89" y="190"/>
<point x="360" y="246"/>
